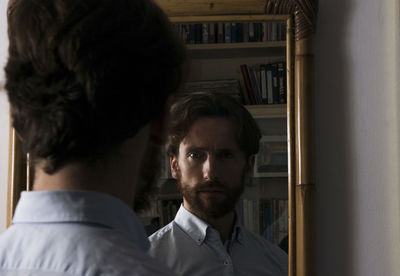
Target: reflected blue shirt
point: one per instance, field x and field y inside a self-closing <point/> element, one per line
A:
<point x="190" y="246"/>
<point x="75" y="233"/>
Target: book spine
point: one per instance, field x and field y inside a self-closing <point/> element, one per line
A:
<point x="268" y="68"/>
<point x="254" y="84"/>
<point x="263" y="78"/>
<point x="246" y="27"/>
<point x="283" y="37"/>
<point x="270" y="32"/>
<point x="234" y="33"/>
<point x="275" y="83"/>
<point x="247" y="82"/>
<point x="192" y="34"/>
<point x="282" y="82"/>
<point x="258" y="31"/>
<point x="264" y="31"/>
<point x="239" y="32"/>
<point x="243" y="88"/>
<point x="198" y="32"/>
<point x="251" y="32"/>
<point x="211" y="37"/>
<point x="268" y="235"/>
<point x="227" y="32"/>
<point x="256" y="221"/>
<point x="220" y="35"/>
<point x="205" y="31"/>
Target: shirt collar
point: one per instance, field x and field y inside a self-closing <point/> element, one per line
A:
<point x="80" y="206"/>
<point x="238" y="233"/>
<point x="197" y="229"/>
<point x="192" y="225"/>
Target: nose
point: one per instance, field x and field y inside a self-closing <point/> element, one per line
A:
<point x="209" y="168"/>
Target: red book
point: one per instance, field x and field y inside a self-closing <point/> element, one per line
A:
<point x="247" y="82"/>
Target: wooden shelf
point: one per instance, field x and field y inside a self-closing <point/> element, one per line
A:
<point x="242" y="45"/>
<point x="268" y="110"/>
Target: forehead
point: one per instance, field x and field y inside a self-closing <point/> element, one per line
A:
<point x="212" y="133"/>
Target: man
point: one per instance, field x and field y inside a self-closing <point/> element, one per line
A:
<point x="212" y="145"/>
<point x="89" y="83"/>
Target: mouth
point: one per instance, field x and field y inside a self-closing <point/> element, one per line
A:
<point x="211" y="192"/>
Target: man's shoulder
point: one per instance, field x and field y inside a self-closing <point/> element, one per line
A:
<point x="105" y="251"/>
<point x="163" y="233"/>
<point x="256" y="241"/>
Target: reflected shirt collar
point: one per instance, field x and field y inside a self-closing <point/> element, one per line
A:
<point x="198" y="229"/>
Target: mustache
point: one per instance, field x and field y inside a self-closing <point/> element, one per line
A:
<point x="211" y="184"/>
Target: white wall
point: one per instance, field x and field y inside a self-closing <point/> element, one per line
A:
<point x="357" y="138"/>
<point x="4" y="119"/>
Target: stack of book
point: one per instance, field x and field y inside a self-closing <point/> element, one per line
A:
<point x="267" y="217"/>
<point x="206" y="33"/>
<point x="229" y="87"/>
<point x="264" y="83"/>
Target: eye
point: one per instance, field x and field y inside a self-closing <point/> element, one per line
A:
<point x="194" y="155"/>
<point x="227" y="154"/>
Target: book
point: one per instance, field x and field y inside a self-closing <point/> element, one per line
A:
<point x="247" y="83"/>
<point x="246" y="32"/>
<point x="211" y="34"/>
<point x="254" y="83"/>
<point x="268" y="69"/>
<point x="243" y="90"/>
<point x="263" y="84"/>
<point x="227" y="32"/>
<point x="275" y="84"/>
<point x="198" y="30"/>
<point x="234" y="38"/>
<point x="230" y="87"/>
<point x="282" y="82"/>
<point x="239" y="32"/>
<point x="192" y="34"/>
<point x="220" y="33"/>
<point x="204" y="35"/>
<point x="251" y="32"/>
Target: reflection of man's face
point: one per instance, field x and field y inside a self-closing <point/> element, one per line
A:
<point x="210" y="168"/>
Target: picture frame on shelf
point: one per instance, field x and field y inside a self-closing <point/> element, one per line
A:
<point x="272" y="158"/>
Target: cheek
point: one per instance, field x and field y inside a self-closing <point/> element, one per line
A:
<point x="188" y="171"/>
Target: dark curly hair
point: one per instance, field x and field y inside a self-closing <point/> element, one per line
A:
<point x="189" y="108"/>
<point x="85" y="75"/>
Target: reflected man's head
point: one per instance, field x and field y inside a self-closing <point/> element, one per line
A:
<point x="83" y="76"/>
<point x="212" y="141"/>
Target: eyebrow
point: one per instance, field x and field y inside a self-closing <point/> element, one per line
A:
<point x="194" y="148"/>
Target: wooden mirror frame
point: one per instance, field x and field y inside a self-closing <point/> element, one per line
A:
<point x="300" y="116"/>
<point x="300" y="110"/>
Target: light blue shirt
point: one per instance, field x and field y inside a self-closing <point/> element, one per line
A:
<point x="190" y="246"/>
<point x="75" y="233"/>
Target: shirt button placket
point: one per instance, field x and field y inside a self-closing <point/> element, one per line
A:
<point x="228" y="271"/>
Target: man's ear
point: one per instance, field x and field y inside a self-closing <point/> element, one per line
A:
<point x="250" y="166"/>
<point x="159" y="127"/>
<point x="173" y="162"/>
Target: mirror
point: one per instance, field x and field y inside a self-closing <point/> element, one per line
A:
<point x="292" y="121"/>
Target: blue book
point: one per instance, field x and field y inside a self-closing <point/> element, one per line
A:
<point x="268" y="223"/>
<point x="234" y="33"/>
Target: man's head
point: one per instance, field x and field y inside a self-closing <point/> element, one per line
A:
<point x="85" y="75"/>
<point x="211" y="143"/>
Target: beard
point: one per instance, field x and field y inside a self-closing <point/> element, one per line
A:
<point x="149" y="174"/>
<point x="211" y="207"/>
